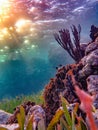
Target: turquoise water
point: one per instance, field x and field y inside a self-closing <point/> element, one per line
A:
<point x="17" y="77"/>
<point x="22" y="73"/>
<point x="29" y="53"/>
<point x="27" y="71"/>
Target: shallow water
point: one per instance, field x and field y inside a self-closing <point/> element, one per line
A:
<point x="26" y="72"/>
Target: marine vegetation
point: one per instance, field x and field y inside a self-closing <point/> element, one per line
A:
<point x="71" y="46"/>
<point x="71" y="97"/>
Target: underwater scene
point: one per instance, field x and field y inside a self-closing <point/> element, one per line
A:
<point x="48" y="64"/>
<point x="29" y="53"/>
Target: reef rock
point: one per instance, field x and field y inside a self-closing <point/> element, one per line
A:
<point x="31" y="110"/>
<point x="85" y="73"/>
<point x="9" y="127"/>
<point x="39" y="117"/>
<point x="90" y="61"/>
<point x="4" y="116"/>
<point x="26" y="106"/>
<point x="91" y="47"/>
<point x="92" y="86"/>
<point x="61" y="84"/>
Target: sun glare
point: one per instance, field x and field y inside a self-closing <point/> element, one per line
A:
<point x="4" y="31"/>
<point x="4" y="8"/>
<point x="2" y="2"/>
<point x="21" y="23"/>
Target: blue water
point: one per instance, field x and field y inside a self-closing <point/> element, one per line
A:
<point x="27" y="65"/>
<point x="17" y="77"/>
<point x="28" y="71"/>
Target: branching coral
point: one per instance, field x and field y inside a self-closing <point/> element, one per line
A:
<point x="71" y="46"/>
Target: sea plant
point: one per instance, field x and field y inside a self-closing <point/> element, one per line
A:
<point x="29" y="122"/>
<point x="71" y="46"/>
<point x="22" y="118"/>
<point x="72" y="117"/>
<point x="55" y="119"/>
<point x="65" y="120"/>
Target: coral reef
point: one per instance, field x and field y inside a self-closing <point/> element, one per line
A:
<point x="61" y="84"/>
<point x="85" y="73"/>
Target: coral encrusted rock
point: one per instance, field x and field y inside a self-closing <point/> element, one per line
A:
<point x="9" y="127"/>
<point x="85" y="73"/>
<point x="4" y="116"/>
<point x="26" y="106"/>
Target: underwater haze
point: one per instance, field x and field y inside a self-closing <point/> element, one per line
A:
<point x="29" y="53"/>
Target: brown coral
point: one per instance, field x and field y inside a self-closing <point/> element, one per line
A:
<point x="72" y="47"/>
<point x="61" y="84"/>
